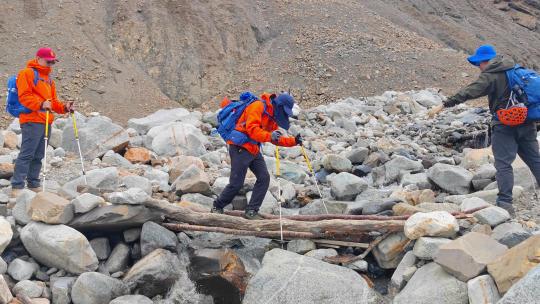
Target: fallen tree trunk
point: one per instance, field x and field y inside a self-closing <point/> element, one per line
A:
<point x="341" y="229"/>
<point x="263" y="234"/>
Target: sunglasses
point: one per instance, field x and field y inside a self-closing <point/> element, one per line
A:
<point x="51" y="62"/>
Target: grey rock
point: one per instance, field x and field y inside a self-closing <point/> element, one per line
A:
<point x="158" y="177"/>
<point x="86" y="202"/>
<point x="101" y="247"/>
<point x="453" y="179"/>
<point x="482" y="290"/>
<point x="154" y="236"/>
<point x="374" y="207"/>
<point x="313" y="281"/>
<point x="389" y="252"/>
<point x="198" y="199"/>
<point x="486" y="171"/>
<point x="5" y="293"/>
<point x="346" y="186"/>
<point x="3" y="266"/>
<point x="135" y="181"/>
<point x="103" y="179"/>
<point x="320" y="254"/>
<point x="510" y="234"/>
<point x="318" y="207"/>
<point x="132" y="196"/>
<point x="399" y="277"/>
<point x="359" y="265"/>
<point x="420" y="180"/>
<point x="114" y="217"/>
<point x="431" y="284"/>
<point x="97" y="288"/>
<point x="132" y="299"/>
<point x="473" y="203"/>
<point x="160" y="117"/>
<point x="492" y="216"/>
<point x="155" y="273"/>
<point x="61" y="289"/>
<point x="400" y="164"/>
<point x="114" y="159"/>
<point x="29" y="288"/>
<point x="336" y="163"/>
<point x="20" y="211"/>
<point x="132" y="235"/>
<point x="6" y="233"/>
<point x="301" y="246"/>
<point x="97" y="136"/>
<point x="525" y="290"/>
<point x="193" y="180"/>
<point x="21" y="270"/>
<point x="489" y="196"/>
<point x="426" y="248"/>
<point x="176" y="139"/>
<point x="289" y="170"/>
<point x="357" y="155"/>
<point x="59" y="246"/>
<point x="118" y="259"/>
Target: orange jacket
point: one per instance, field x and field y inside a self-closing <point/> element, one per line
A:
<point x="32" y="96"/>
<point x="259" y="125"/>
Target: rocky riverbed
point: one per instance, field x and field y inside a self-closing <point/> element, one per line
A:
<point x="98" y="243"/>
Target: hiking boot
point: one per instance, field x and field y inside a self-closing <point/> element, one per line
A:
<point x="508" y="207"/>
<point x="216" y="210"/>
<point x="36" y="189"/>
<point x="15" y="192"/>
<point x="253" y="215"/>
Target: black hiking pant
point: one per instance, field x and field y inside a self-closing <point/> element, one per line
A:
<point x="507" y="142"/>
<point x="241" y="161"/>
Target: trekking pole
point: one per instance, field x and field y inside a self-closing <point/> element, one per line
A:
<point x="278" y="174"/>
<point x="46" y="144"/>
<point x="76" y="131"/>
<point x="312" y="173"/>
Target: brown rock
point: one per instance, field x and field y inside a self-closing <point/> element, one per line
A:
<point x="512" y="266"/>
<point x="6" y="170"/>
<point x="10" y="140"/>
<point x="219" y="263"/>
<point x="390" y="251"/>
<point x="179" y="164"/>
<point x="138" y="155"/>
<point x="405" y="209"/>
<point x="467" y="256"/>
<point x="50" y="208"/>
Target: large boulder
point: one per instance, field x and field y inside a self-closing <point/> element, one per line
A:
<point x="50" y="208"/>
<point x="160" y="117"/>
<point x="346" y="186"/>
<point x="304" y="280"/>
<point x="155" y="273"/>
<point x="176" y="139"/>
<point x="6" y="234"/>
<point x="468" y="256"/>
<point x="193" y="180"/>
<point x="437" y="223"/>
<point x="97" y="288"/>
<point x="132" y="299"/>
<point x="483" y="290"/>
<point x="103" y="179"/>
<point x="154" y="236"/>
<point x="289" y="171"/>
<point x="336" y="163"/>
<point x="515" y="263"/>
<point x="59" y="246"/>
<point x="525" y="290"/>
<point x="431" y="284"/>
<point x="115" y="217"/>
<point x="452" y="179"/>
<point x="97" y="136"/>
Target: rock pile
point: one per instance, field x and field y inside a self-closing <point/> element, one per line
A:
<point x="98" y="242"/>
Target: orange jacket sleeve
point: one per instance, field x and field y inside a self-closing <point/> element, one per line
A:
<point x="27" y="97"/>
<point x="254" y="128"/>
<point x="57" y="105"/>
<point x="287" y="141"/>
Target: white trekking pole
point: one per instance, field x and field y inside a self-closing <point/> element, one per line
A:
<point x="45" y="154"/>
<point x="278" y="174"/>
<point x="76" y="131"/>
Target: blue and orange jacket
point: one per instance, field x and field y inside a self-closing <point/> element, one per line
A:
<point x="259" y="125"/>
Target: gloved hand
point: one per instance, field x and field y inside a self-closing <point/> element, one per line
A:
<point x="46" y="105"/>
<point x="69" y="107"/>
<point x="276" y="135"/>
<point x="299" y="140"/>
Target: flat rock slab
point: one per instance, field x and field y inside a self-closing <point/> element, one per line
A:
<point x="115" y="217"/>
<point x="468" y="256"/>
<point x="515" y="263"/>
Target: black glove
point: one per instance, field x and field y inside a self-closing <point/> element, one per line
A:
<point x="299" y="140"/>
<point x="276" y="135"/>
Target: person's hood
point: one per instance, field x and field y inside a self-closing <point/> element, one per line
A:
<point x="43" y="70"/>
<point x="500" y="64"/>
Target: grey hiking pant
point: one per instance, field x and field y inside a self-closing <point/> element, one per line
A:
<point x="28" y="164"/>
<point x="506" y="143"/>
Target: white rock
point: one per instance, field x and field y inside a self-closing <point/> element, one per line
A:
<point x="438" y="223"/>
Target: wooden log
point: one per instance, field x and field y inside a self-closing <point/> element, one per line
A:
<point x="263" y="234"/>
<point x="334" y="226"/>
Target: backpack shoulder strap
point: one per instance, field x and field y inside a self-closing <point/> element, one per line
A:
<point x="37" y="78"/>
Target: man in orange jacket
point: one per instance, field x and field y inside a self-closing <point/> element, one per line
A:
<point x="259" y="121"/>
<point x="39" y="98"/>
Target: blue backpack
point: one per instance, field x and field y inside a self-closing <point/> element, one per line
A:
<point x="529" y="82"/>
<point x="228" y="118"/>
<point x="13" y="105"/>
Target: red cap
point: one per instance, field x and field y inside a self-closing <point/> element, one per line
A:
<point x="47" y="54"/>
